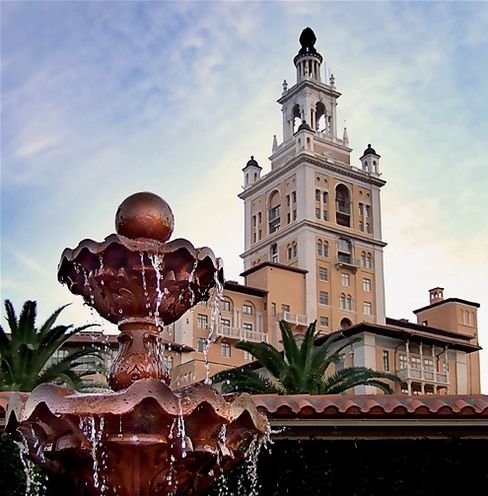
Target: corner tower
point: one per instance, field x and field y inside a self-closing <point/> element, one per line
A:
<point x="314" y="210"/>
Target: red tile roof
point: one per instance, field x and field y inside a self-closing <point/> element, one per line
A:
<point x="304" y="406"/>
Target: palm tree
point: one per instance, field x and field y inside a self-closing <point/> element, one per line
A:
<point x="300" y="369"/>
<point x="26" y="355"/>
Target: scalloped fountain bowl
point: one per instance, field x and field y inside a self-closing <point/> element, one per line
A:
<point x="144" y="439"/>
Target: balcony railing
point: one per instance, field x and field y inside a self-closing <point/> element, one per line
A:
<point x="345" y="261"/>
<point x="240" y="334"/>
<point x="294" y="318"/>
<point x="423" y="374"/>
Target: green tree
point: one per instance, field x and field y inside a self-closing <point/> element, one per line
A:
<point x="26" y="355"/>
<point x="300" y="368"/>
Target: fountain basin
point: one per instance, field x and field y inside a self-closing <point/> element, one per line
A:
<point x="146" y="440"/>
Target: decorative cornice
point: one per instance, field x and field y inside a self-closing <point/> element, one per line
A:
<point x="316" y="85"/>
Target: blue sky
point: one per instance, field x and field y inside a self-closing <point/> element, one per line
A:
<point x="103" y="99"/>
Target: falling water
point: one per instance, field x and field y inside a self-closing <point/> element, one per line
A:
<point x="215" y="301"/>
<point x="33" y="484"/>
<point x="144" y="282"/>
<point x="88" y="426"/>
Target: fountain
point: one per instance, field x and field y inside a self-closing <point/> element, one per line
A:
<point x="143" y="439"/>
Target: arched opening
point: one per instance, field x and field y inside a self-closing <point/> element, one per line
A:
<point x="274" y="211"/>
<point x="345" y="323"/>
<point x="320" y="117"/>
<point x="343" y="206"/>
<point x="296" y="116"/>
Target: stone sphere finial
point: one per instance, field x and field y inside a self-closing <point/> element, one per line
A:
<point x="145" y="215"/>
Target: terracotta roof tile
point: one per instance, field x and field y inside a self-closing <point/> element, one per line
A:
<point x="421" y="406"/>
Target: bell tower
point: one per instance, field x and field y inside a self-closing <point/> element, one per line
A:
<point x="316" y="211"/>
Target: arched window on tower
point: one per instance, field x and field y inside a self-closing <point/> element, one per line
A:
<point x="274" y="212"/>
<point x="320" y="117"/>
<point x="343" y="206"/>
<point x="296" y="117"/>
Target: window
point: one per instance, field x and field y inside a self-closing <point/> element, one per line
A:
<point x="247" y="309"/>
<point x="202" y="321"/>
<point x="225" y="349"/>
<point x="340" y="364"/>
<point x="386" y="360"/>
<point x="324" y="215"/>
<point x="429" y="364"/>
<point x="290" y="252"/>
<point x="274" y="253"/>
<point x="369" y="261"/>
<point x="248" y="356"/>
<point x="324" y="298"/>
<point x="324" y="321"/>
<point x="274" y="213"/>
<point x="294" y="215"/>
<point x="346" y="302"/>
<point x="416" y="363"/>
<point x="367" y="307"/>
<point x="343" y="208"/>
<point x="201" y="345"/>
<point x="285" y="308"/>
<point x="345" y="280"/>
<point x="326" y="249"/>
<point x="323" y="274"/>
<point x="259" y="217"/>
<point x="288" y="200"/>
<point x="344" y="250"/>
<point x="367" y="227"/>
<point x="225" y="322"/>
<point x="403" y="362"/>
<point x="294" y="197"/>
<point x="288" y="218"/>
<point x="247" y="330"/>
<point x="367" y="285"/>
<point x="317" y="212"/>
<point x="273" y="309"/>
<point x="325" y="197"/>
<point x="317" y="195"/>
<point x="225" y="305"/>
<point x="295" y="249"/>
<point x="253" y="221"/>
<point x="320" y="250"/>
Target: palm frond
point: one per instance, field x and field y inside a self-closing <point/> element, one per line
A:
<point x="267" y="355"/>
<point x="244" y="380"/>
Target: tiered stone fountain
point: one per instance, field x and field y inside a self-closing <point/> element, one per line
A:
<point x="144" y="439"/>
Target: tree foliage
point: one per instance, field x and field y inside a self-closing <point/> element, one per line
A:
<point x="301" y="367"/>
<point x="26" y="354"/>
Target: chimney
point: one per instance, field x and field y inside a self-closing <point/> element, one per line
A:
<point x="436" y="295"/>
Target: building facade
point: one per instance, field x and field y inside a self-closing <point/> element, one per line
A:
<point x="313" y="250"/>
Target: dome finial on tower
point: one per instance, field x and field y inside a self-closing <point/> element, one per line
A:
<point x="307" y="40"/>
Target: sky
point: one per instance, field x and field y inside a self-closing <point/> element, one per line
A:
<point x="104" y="99"/>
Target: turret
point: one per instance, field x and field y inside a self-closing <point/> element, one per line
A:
<point x="370" y="160"/>
<point x="252" y="172"/>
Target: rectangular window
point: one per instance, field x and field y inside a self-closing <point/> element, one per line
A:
<point x="248" y="356"/>
<point x="225" y="322"/>
<point x="324" y="321"/>
<point x="317" y="213"/>
<point x="294" y="197"/>
<point x="323" y="274"/>
<point x="324" y="215"/>
<point x="254" y="237"/>
<point x="201" y="345"/>
<point x="288" y="218"/>
<point x="294" y="215"/>
<point x="403" y="362"/>
<point x="247" y="309"/>
<point x="367" y="285"/>
<point x="386" y="361"/>
<point x="247" y="330"/>
<point x="345" y="280"/>
<point x="367" y="308"/>
<point x="225" y="350"/>
<point x="273" y="309"/>
<point x="324" y="298"/>
<point x="415" y="362"/>
<point x="202" y="321"/>
<point x="285" y="308"/>
<point x="225" y="305"/>
<point x="253" y="221"/>
<point x="274" y="213"/>
<point x="259" y="217"/>
<point x="429" y="364"/>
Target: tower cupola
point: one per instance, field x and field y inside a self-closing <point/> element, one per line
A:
<point x="308" y="60"/>
<point x="370" y="160"/>
<point x="252" y="172"/>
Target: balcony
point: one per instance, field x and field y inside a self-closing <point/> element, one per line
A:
<point x="294" y="318"/>
<point x="347" y="262"/>
<point x="240" y="334"/>
<point x="423" y="375"/>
